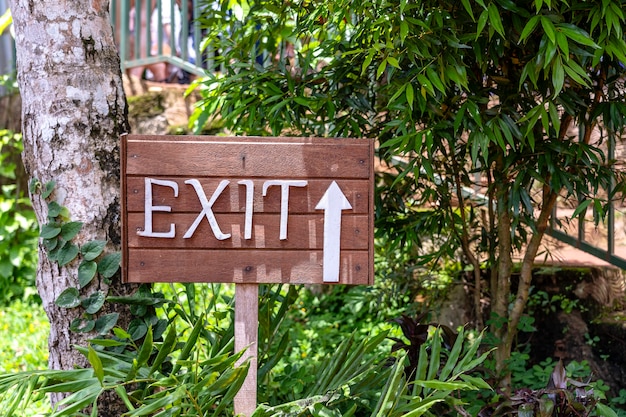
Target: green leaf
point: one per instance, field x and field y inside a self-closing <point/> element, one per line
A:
<point x="558" y="76"/>
<point x="165" y="349"/>
<point x="468" y="8"/>
<point x="34" y="184"/>
<point x="107" y="342"/>
<point x="70" y="230"/>
<point x="367" y="61"/>
<point x="94" y="302"/>
<point x="435" y="80"/>
<point x="404" y="30"/>
<point x="548" y="29"/>
<point x="96" y="364"/>
<point x="443" y="386"/>
<point x="48" y="188"/>
<point x="54" y="209"/>
<point x="381" y="68"/>
<point x="577" y="34"/>
<point x="605" y="411"/>
<point x="82" y="325"/>
<point x="109" y="264"/>
<point x="86" y="272"/>
<point x="146" y="349"/>
<point x="106" y="322"/>
<point x="68" y="298"/>
<point x="191" y="341"/>
<point x="476" y="382"/>
<point x="422" y="407"/>
<point x="50" y="230"/>
<point x="482" y="22"/>
<point x="453" y="357"/>
<point x="92" y="249"/>
<point x="495" y="20"/>
<point x="121" y="333"/>
<point x="393" y="62"/>
<point x="529" y="28"/>
<point x="582" y="206"/>
<point x="67" y="254"/>
<point x="409" y="95"/>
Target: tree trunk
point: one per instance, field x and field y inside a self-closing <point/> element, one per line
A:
<point x="73" y="112"/>
<point x="501" y="283"/>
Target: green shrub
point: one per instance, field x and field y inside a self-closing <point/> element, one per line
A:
<point x="18" y="228"/>
<point x="24" y="346"/>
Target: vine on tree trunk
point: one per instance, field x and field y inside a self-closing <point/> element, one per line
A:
<point x="58" y="236"/>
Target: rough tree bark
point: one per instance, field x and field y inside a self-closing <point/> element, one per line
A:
<point x="73" y="112"/>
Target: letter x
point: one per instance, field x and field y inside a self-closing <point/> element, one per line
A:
<point x="206" y="209"/>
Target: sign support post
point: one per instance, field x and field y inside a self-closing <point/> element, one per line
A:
<point x="246" y="338"/>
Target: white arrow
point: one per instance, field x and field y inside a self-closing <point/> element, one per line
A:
<point x="332" y="202"/>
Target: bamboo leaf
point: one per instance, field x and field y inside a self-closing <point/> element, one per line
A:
<point x="381" y="68"/>
<point x="443" y="385"/>
<point x="468" y="8"/>
<point x="96" y="364"/>
<point x="166" y="348"/>
<point x="146" y="349"/>
<point x="409" y="95"/>
<point x="495" y="20"/>
<point x="582" y="207"/>
<point x="548" y="29"/>
<point x="529" y="28"/>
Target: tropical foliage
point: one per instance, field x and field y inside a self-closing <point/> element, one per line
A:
<point x="487" y="113"/>
<point x="18" y="226"/>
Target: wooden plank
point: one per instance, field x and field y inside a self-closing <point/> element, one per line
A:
<point x="249" y="160"/>
<point x="246" y="339"/>
<point x="233" y="199"/>
<point x="242" y="266"/>
<point x="265" y="232"/>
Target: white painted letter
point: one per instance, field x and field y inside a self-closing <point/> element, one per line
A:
<point x="149" y="208"/>
<point x="284" y="200"/>
<point x="206" y="209"/>
<point x="247" y="234"/>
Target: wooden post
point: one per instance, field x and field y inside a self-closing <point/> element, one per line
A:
<point x="246" y="338"/>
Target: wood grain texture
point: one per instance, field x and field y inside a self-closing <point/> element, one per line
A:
<point x="264" y="257"/>
<point x="246" y="339"/>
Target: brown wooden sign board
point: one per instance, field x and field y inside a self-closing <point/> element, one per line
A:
<point x="247" y="209"/>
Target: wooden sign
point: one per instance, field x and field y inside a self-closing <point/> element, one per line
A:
<point x="247" y="210"/>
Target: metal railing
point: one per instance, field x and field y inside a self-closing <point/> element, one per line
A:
<point x="144" y="28"/>
<point x="597" y="240"/>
